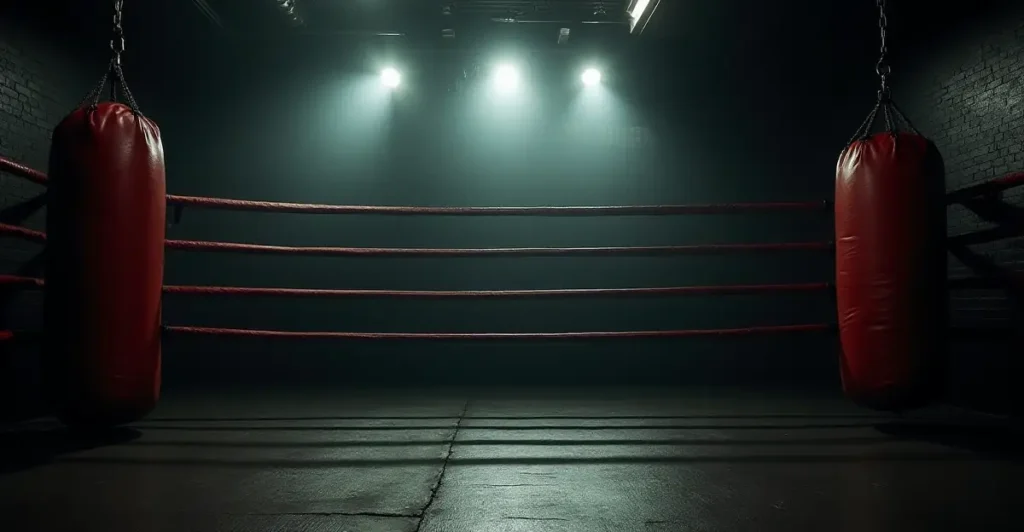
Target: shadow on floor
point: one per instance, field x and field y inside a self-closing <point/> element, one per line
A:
<point x="26" y="449"/>
<point x="997" y="440"/>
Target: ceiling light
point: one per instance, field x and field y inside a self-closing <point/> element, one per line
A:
<point x="390" y="78"/>
<point x="506" y="77"/>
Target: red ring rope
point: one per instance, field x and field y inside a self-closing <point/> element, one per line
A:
<point x="13" y="280"/>
<point x="192" y="245"/>
<point x="23" y="233"/>
<point x="20" y="170"/>
<point x="17" y="280"/>
<point x="445" y="294"/>
<point x="993" y="186"/>
<point x="312" y="208"/>
<point x="605" y="210"/>
<point x="590" y="335"/>
<point x="195" y="245"/>
<point x="38" y="236"/>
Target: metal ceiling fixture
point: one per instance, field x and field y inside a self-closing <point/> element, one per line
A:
<point x="640" y="13"/>
<point x="290" y="10"/>
<point x="563" y="35"/>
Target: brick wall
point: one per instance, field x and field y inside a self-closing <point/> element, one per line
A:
<point x="968" y="96"/>
<point x="41" y="79"/>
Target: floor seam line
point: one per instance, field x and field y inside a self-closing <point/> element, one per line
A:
<point x="444" y="467"/>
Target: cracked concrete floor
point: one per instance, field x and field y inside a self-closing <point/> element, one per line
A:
<point x="593" y="461"/>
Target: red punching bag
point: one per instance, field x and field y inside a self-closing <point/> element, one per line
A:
<point x="104" y="265"/>
<point x="891" y="270"/>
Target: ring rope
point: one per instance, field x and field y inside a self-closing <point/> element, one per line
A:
<point x="21" y="281"/>
<point x="192" y="245"/>
<point x="32" y="282"/>
<point x="24" y="233"/>
<point x="39" y="236"/>
<point x="602" y="210"/>
<point x="993" y="186"/>
<point x="38" y="177"/>
<point x="20" y="170"/>
<point x="497" y="294"/>
<point x="196" y="245"/>
<point x="588" y="335"/>
<point x="6" y="336"/>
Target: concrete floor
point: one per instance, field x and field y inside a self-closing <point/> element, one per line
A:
<point x="587" y="461"/>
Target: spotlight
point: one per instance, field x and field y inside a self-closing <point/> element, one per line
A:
<point x="506" y="77"/>
<point x="639" y="8"/>
<point x="390" y="78"/>
<point x="591" y="76"/>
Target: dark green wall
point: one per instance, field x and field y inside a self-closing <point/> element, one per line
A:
<point x="293" y="121"/>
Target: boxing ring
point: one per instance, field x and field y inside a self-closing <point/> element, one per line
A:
<point x="485" y="459"/>
<point x="983" y="199"/>
<point x="178" y="203"/>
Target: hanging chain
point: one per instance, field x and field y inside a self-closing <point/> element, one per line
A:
<point x="882" y="68"/>
<point x="891" y="113"/>
<point x="117" y="41"/>
<point x="116" y="45"/>
<point x="114" y="69"/>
